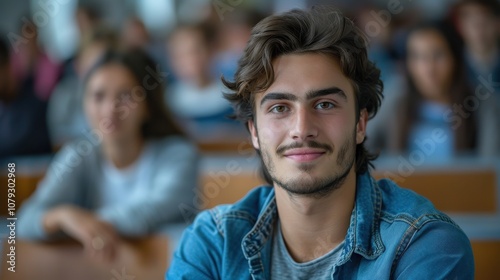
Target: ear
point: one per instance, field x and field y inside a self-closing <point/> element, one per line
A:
<point x="253" y="134"/>
<point x="361" y="126"/>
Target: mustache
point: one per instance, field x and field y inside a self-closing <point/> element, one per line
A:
<point x="309" y="144"/>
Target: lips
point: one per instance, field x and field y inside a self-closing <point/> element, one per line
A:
<point x="304" y="154"/>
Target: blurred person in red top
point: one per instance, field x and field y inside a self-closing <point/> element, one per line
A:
<point x="30" y="62"/>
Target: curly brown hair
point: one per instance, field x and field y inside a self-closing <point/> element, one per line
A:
<point x="320" y="30"/>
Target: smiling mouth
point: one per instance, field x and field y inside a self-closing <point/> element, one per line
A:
<point x="304" y="155"/>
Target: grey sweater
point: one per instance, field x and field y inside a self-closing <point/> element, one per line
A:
<point x="75" y="173"/>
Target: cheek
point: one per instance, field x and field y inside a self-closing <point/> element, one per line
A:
<point x="137" y="115"/>
<point x="492" y="29"/>
<point x="446" y="68"/>
<point x="273" y="131"/>
<point x="469" y="28"/>
<point x="415" y="68"/>
<point x="336" y="129"/>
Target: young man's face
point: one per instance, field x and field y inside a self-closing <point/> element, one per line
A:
<point x="305" y="124"/>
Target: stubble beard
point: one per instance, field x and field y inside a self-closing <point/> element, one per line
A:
<point x="310" y="186"/>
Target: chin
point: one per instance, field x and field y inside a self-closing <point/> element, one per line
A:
<point x="114" y="136"/>
<point x="315" y="182"/>
<point x="314" y="168"/>
<point x="299" y="179"/>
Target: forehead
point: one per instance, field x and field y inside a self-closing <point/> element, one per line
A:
<point x="110" y="75"/>
<point x="474" y="9"/>
<point x="426" y="39"/>
<point x="299" y="74"/>
<point x="186" y="35"/>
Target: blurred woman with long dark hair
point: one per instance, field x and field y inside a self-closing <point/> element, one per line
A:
<point x="438" y="113"/>
<point x="129" y="176"/>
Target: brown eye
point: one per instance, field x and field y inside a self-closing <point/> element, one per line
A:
<point x="98" y="96"/>
<point x="325" y="105"/>
<point x="279" y="109"/>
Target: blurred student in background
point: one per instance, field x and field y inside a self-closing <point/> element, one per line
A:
<point x="479" y="23"/>
<point x="135" y="35"/>
<point x="128" y="177"/>
<point x="384" y="51"/>
<point x="65" y="117"/>
<point x="31" y="66"/>
<point x="196" y="98"/>
<point x="438" y="113"/>
<point x="232" y="37"/>
<point x="87" y="19"/>
<point x="23" y="129"/>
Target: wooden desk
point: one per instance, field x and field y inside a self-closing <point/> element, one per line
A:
<point x="137" y="259"/>
<point x="29" y="171"/>
<point x="473" y="191"/>
<point x="25" y="186"/>
<point x="486" y="255"/>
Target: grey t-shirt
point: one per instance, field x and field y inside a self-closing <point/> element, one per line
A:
<point x="284" y="267"/>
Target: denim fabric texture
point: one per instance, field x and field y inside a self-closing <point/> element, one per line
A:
<point x="394" y="233"/>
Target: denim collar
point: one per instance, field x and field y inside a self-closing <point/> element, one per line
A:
<point x="363" y="236"/>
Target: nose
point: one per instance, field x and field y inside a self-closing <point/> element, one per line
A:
<point x="110" y="107"/>
<point x="303" y="126"/>
<point x="429" y="66"/>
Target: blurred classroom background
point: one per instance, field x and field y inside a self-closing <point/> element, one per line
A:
<point x="438" y="130"/>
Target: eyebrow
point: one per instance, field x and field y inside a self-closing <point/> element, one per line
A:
<point x="278" y="96"/>
<point x="309" y="95"/>
<point x="327" y="91"/>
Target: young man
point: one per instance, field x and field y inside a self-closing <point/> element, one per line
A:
<point x="306" y="90"/>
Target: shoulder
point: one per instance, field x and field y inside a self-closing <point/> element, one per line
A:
<point x="436" y="251"/>
<point x="83" y="149"/>
<point x="78" y="157"/>
<point x="211" y="246"/>
<point x="432" y="244"/>
<point x="242" y="214"/>
<point x="406" y="205"/>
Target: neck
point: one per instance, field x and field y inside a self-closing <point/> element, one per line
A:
<point x="123" y="153"/>
<point x="312" y="227"/>
<point x="203" y="81"/>
<point x="441" y="98"/>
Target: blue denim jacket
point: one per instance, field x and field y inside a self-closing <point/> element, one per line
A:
<point x="393" y="234"/>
